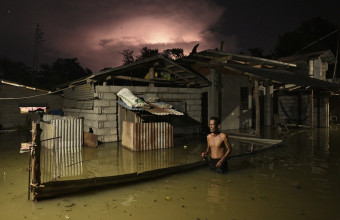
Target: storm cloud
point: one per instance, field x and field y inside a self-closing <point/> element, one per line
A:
<point x="96" y="31"/>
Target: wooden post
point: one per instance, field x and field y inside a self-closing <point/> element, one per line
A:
<point x="257" y="106"/>
<point x="312" y="109"/>
<point x="35" y="155"/>
<point x="151" y="76"/>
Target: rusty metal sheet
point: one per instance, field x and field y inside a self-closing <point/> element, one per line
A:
<point x="147" y="136"/>
<point x="155" y="109"/>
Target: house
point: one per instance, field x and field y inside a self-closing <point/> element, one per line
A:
<point x="95" y="97"/>
<point x="284" y="88"/>
<point x="298" y="102"/>
<point x="17" y="102"/>
<point x="244" y="91"/>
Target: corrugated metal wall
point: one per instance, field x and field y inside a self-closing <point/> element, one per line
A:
<point x="71" y="132"/>
<point x="79" y="97"/>
<point x="147" y="136"/>
<point x="62" y="142"/>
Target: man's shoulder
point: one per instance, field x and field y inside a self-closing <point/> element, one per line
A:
<point x="223" y="134"/>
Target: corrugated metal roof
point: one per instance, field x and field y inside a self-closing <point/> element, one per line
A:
<point x="162" y="111"/>
<point x="185" y="77"/>
<point x="120" y="102"/>
<point x="283" y="76"/>
<point x="222" y="57"/>
<point x="155" y="110"/>
<point x="326" y="56"/>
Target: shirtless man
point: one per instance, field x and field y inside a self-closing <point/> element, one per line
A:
<point x="219" y="147"/>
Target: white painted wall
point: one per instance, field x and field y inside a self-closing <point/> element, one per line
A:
<point x="232" y="116"/>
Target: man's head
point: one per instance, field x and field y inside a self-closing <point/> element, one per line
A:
<point x="214" y="124"/>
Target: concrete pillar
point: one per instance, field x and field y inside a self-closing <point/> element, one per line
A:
<point x="250" y="104"/>
<point x="213" y="94"/>
<point x="268" y="106"/>
<point x="324" y="112"/>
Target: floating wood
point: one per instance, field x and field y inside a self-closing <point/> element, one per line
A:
<point x="60" y="188"/>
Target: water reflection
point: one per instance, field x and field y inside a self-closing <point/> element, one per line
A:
<point x="297" y="181"/>
<point x="111" y="159"/>
<point x="217" y="192"/>
<point x="60" y="163"/>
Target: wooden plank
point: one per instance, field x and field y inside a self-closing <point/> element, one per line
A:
<point x="60" y="188"/>
<point x="156" y="80"/>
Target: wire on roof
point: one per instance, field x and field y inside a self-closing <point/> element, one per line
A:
<point x="34" y="96"/>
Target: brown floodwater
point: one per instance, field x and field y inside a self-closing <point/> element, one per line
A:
<point x="300" y="180"/>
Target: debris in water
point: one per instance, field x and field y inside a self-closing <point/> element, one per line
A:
<point x="185" y="146"/>
<point x="67" y="217"/>
<point x="229" y="181"/>
<point x="70" y="205"/>
<point x="168" y="198"/>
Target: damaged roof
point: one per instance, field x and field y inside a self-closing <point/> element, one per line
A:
<point x="155" y="109"/>
<point x="267" y="70"/>
<point x="281" y="76"/>
<point x="325" y="56"/>
<point x="137" y="71"/>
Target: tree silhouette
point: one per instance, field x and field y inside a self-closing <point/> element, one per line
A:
<point x="61" y="71"/>
<point x="145" y="52"/>
<point x="127" y="56"/>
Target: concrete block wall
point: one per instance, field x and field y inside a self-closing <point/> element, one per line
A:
<point x="288" y="109"/>
<point x="320" y="114"/>
<point x="191" y="96"/>
<point x="103" y="117"/>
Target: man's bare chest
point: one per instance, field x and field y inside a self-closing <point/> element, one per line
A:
<point x="216" y="142"/>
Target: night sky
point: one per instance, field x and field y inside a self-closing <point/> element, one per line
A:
<point x="96" y="31"/>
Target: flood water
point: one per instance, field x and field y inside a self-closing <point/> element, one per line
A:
<point x="300" y="180"/>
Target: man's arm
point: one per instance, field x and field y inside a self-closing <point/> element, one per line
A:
<point x="204" y="154"/>
<point x="227" y="144"/>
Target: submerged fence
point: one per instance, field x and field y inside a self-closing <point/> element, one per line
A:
<point x="56" y="150"/>
<point x="57" y="162"/>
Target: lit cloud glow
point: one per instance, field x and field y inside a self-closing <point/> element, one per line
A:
<point x="96" y="31"/>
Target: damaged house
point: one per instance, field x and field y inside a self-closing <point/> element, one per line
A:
<point x="246" y="88"/>
<point x="244" y="91"/>
<point x="95" y="97"/>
